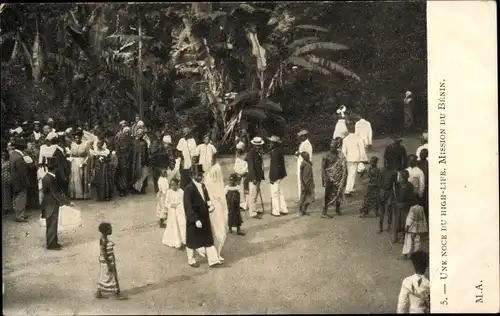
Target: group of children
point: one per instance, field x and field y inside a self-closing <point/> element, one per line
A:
<point x="390" y="192"/>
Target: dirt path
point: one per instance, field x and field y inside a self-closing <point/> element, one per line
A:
<point x="282" y="265"/>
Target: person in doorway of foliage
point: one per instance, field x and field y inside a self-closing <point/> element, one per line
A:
<point x="255" y="175"/>
<point x="187" y="147"/>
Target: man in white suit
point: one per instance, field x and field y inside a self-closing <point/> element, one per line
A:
<point x="353" y="149"/>
<point x="363" y="129"/>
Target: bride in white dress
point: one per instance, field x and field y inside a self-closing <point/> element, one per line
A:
<point x="214" y="183"/>
<point x="175" y="233"/>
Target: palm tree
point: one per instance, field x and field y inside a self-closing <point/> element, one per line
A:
<point x="241" y="53"/>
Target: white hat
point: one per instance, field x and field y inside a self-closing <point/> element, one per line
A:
<point x="140" y="124"/>
<point x="50" y="120"/>
<point x="60" y="133"/>
<point x="167" y="139"/>
<point x="342" y="110"/>
<point x="52" y="135"/>
<point x="68" y="130"/>
<point x="274" y="139"/>
<point x="257" y="141"/>
<point x="408" y="93"/>
<point x="126" y="129"/>
<point x="240" y="145"/>
<point x="302" y="133"/>
<point x="17" y="130"/>
<point x="123" y="122"/>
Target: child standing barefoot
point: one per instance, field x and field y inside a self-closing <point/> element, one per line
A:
<point x="306" y="183"/>
<point x="233" y="204"/>
<point x="175" y="232"/>
<point x="108" y="279"/>
<point x="371" y="200"/>
<point x="161" y="209"/>
<point x="416" y="230"/>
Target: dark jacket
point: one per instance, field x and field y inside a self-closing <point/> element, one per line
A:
<point x="19" y="172"/>
<point x="255" y="166"/>
<point x="395" y="157"/>
<point x="196" y="209"/>
<point x="277" y="170"/>
<point x="53" y="197"/>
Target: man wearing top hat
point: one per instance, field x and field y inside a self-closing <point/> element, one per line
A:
<point x="305" y="145"/>
<point x="20" y="179"/>
<point x="197" y="206"/>
<point x="53" y="198"/>
<point x="255" y="175"/>
<point x="277" y="172"/>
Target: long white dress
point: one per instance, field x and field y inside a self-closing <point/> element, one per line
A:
<point x="307" y="147"/>
<point x="214" y="183"/>
<point x="175" y="233"/>
<point x="340" y="129"/>
<point x="161" y="207"/>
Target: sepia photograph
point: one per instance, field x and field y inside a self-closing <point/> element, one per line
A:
<point x="216" y="158"/>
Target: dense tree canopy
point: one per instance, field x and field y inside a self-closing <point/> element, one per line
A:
<point x="271" y="64"/>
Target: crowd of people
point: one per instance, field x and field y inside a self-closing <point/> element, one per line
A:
<point x="194" y="206"/>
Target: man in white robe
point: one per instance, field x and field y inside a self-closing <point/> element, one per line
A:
<point x="187" y="147"/>
<point x="363" y="129"/>
<point x="206" y="153"/>
<point x="425" y="145"/>
<point x="353" y="149"/>
<point x="417" y="176"/>
<point x="306" y="146"/>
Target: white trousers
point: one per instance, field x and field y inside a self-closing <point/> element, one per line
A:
<point x="210" y="252"/>
<point x="352" y="170"/>
<point x="278" y="199"/>
<point x="253" y="195"/>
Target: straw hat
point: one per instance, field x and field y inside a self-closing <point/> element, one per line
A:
<point x="274" y="139"/>
<point x="303" y="133"/>
<point x="257" y="141"/>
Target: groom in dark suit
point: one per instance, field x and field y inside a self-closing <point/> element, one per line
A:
<point x="197" y="206"/>
<point x="53" y="198"/>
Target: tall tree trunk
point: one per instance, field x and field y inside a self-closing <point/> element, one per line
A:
<point x="139" y="77"/>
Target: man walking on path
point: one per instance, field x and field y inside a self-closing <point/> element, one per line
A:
<point x="255" y="175"/>
<point x="353" y="149"/>
<point x="277" y="172"/>
<point x="197" y="206"/>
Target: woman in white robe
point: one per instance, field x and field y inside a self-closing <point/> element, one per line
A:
<point x="175" y="233"/>
<point x="341" y="126"/>
<point x="306" y="146"/>
<point x="214" y="183"/>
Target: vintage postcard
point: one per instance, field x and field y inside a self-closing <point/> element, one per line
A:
<point x="179" y="158"/>
<point x="463" y="95"/>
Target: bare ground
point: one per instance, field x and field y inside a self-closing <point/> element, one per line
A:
<point x="283" y="265"/>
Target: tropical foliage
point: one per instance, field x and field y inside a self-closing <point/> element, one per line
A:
<point x="221" y="63"/>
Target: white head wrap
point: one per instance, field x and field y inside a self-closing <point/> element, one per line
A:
<point x="52" y="135"/>
<point x="17" y="130"/>
<point x="167" y="139"/>
<point x="240" y="145"/>
<point x="342" y="111"/>
<point x="408" y="93"/>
